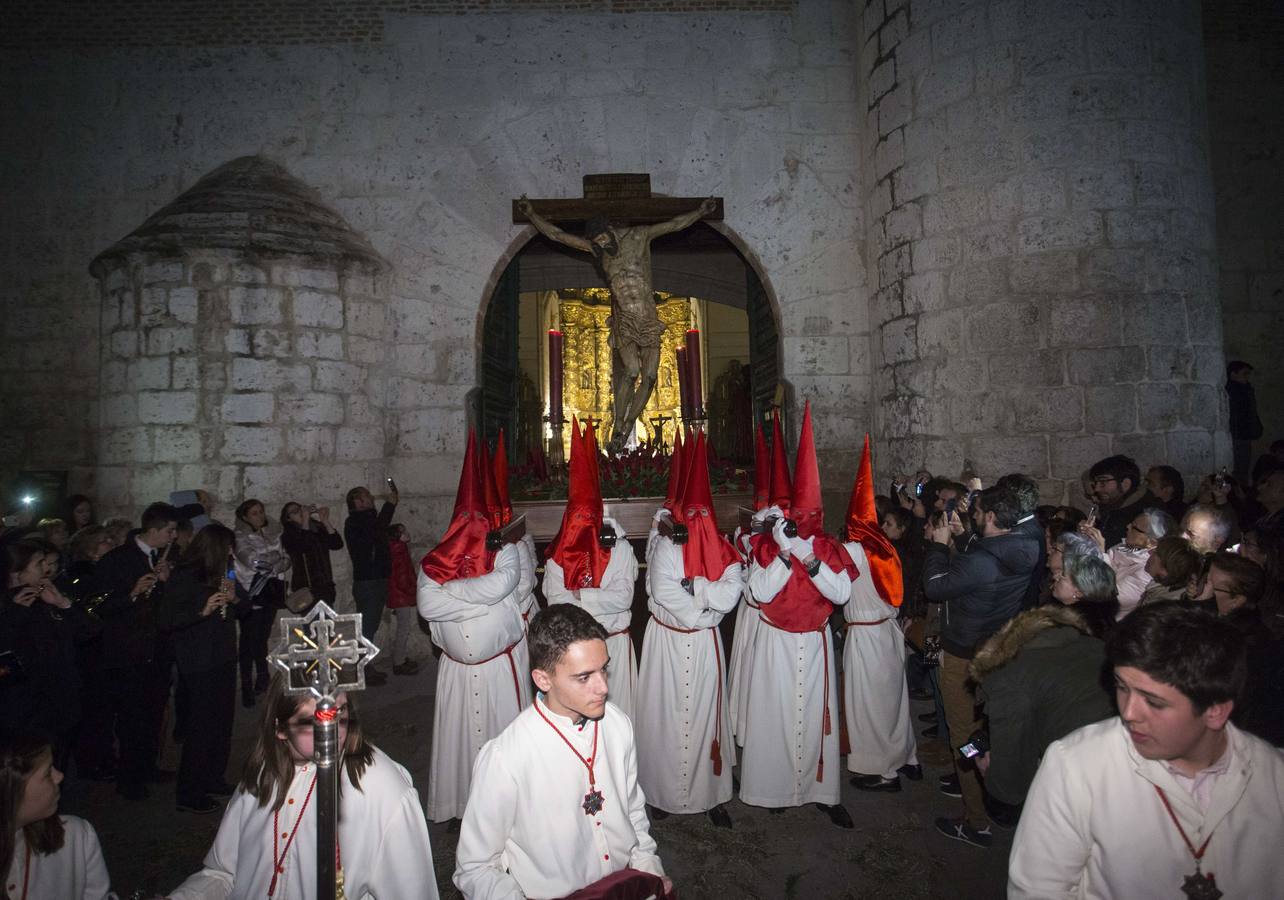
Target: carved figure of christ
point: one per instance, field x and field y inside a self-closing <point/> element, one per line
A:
<point x="624" y="255"/>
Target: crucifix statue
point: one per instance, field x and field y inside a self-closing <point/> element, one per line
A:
<point x="622" y="252"/>
<point x="325" y="654"/>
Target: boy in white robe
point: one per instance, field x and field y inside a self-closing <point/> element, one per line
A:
<point x="266" y="845"/>
<point x="875" y="695"/>
<point x="556" y="805"/>
<point x="683" y="716"/>
<point x="467" y="594"/>
<point x="580" y="569"/>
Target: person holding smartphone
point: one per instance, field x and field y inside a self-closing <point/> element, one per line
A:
<point x="365" y="533"/>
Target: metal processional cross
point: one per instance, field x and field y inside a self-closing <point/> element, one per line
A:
<point x="324" y="654"/>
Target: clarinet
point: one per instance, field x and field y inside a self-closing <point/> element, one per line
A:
<point x="147" y="594"/>
<point x="229" y="583"/>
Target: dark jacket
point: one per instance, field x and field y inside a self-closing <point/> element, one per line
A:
<point x="367" y="537"/>
<point x="911" y="549"/>
<point x="201" y="643"/>
<point x="1040" y="679"/>
<point x="130" y="635"/>
<point x="1244" y="423"/>
<point x="1113" y="522"/>
<point x="982" y="588"/>
<point x="47" y="696"/>
<point x="1030" y="530"/>
<point x="1260" y="710"/>
<point x="309" y="550"/>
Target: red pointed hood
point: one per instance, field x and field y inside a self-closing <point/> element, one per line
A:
<point x="462" y="551"/>
<point x="575" y="547"/>
<point x="863" y="528"/>
<point x="500" y="467"/>
<point x="674" y="489"/>
<point x="806" y="507"/>
<point x="761" y="470"/>
<point x="781" y="489"/>
<point x="706" y="553"/>
<point x="494" y="508"/>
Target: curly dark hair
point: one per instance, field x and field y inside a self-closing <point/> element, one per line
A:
<point x="554" y="629"/>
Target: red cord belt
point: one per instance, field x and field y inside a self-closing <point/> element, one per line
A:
<point x="875" y="622"/>
<point x="715" y="749"/>
<point x="507" y="651"/>
<point x="824" y="643"/>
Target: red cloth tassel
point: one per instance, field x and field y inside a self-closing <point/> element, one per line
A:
<point x="715" y="753"/>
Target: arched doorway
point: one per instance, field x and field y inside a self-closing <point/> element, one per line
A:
<point x="701" y="280"/>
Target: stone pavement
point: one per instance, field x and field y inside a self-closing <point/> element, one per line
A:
<point x="893" y="851"/>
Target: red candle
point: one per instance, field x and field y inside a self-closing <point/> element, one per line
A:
<point x="693" y="363"/>
<point x="554" y="377"/>
<point x="684" y="384"/>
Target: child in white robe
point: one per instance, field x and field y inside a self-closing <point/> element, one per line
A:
<point x="44" y="855"/>
<point x="266" y="844"/>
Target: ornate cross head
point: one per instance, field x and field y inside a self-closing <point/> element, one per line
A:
<point x="323" y="653"/>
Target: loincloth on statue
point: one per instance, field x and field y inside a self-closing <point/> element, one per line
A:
<point x="627" y="328"/>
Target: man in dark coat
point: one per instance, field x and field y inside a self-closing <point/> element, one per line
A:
<point x="1245" y="426"/>
<point x="136" y="654"/>
<point x="366" y="534"/>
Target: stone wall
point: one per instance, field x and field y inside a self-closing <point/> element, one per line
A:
<point x="1039" y="206"/>
<point x="1244" y="48"/>
<point x="420" y="142"/>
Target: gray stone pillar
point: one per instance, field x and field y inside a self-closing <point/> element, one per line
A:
<point x="1040" y="226"/>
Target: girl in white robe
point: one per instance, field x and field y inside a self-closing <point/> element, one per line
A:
<point x="875" y="697"/>
<point x="266" y="844"/>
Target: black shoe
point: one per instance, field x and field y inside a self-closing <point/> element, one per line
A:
<point x="409" y="667"/>
<point x="201" y="806"/>
<point x="222" y="789"/>
<point x="375" y="678"/>
<point x="247" y="697"/>
<point x="719" y="817"/>
<point x="837" y="814"/>
<point x="735" y="784"/>
<point x="949" y="786"/>
<point x="931" y="732"/>
<point x="920" y="695"/>
<point x="132" y="790"/>
<point x="960" y="830"/>
<point x="927" y="717"/>
<point x="912" y="771"/>
<point x="654" y="814"/>
<point x="1005" y="815"/>
<point x="876" y="783"/>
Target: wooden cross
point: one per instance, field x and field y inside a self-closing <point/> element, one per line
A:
<point x="625" y="199"/>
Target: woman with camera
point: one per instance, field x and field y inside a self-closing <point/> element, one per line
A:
<point x="261" y="571"/>
<point x="309" y="538"/>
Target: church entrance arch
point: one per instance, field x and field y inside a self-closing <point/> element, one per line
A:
<point x="703" y="278"/>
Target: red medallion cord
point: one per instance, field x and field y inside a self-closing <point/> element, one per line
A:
<point x="588" y="763"/>
<point x="278" y="866"/>
<point x="1198" y="854"/>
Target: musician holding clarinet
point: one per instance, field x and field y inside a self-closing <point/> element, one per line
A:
<point x="131" y="580"/>
<point x="196" y="611"/>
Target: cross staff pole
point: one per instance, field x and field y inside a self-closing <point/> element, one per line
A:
<point x="324" y="654"/>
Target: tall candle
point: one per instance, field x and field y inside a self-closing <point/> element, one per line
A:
<point x="554" y="377"/>
<point x="693" y="365"/>
<point x="684" y="384"/>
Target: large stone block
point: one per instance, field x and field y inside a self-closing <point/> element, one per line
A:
<point x="293" y="276"/>
<point x="275" y="484"/>
<point x="898" y="340"/>
<point x="161" y="341"/>
<point x="338" y="377"/>
<point x="1083" y="323"/>
<point x="1110" y="409"/>
<point x="119" y="409"/>
<point x="992" y="414"/>
<point x="255" y="408"/>
<point x="126" y="445"/>
<point x="817" y="355"/>
<point x="246" y="444"/>
<point x="270" y="375"/>
<point x="947" y="81"/>
<point x="1053" y="272"/>
<point x="1072" y="455"/>
<point x="177" y="444"/>
<point x="1073" y="230"/>
<point x="1201" y="406"/>
<point x="1056" y="409"/>
<point x="184" y="305"/>
<point x="1003" y="326"/>
<point x="359" y="443"/>
<point x="430" y="432"/>
<point x="167" y="407"/>
<point x="997" y="455"/>
<point x="152" y="484"/>
<point x="269" y="342"/>
<point x="940" y="333"/>
<point x="185" y="374"/>
<point x="1111" y="269"/>
<point x="255" y="305"/>
<point x="1028" y="368"/>
<point x="1147" y="449"/>
<point x="960" y="374"/>
<point x="320" y="345"/>
<point x="1191" y="452"/>
<point x="313" y="409"/>
<point x="1154" y="319"/>
<point x="309" y="444"/>
<point x="1107" y="365"/>
<point x="149" y="374"/>
<point x="366" y="319"/>
<point x="1158" y="407"/>
<point x="314" y="309"/>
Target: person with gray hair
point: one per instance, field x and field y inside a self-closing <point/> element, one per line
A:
<point x="1208" y="527"/>
<point x="1087" y="583"/>
<point x="1128" y="557"/>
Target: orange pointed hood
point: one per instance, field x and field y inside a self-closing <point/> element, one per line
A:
<point x="575" y="547"/>
<point x="462" y="551"/>
<point x="863" y="529"/>
<point x="781" y="488"/>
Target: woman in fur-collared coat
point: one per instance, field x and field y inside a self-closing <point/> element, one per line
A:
<point x="1040" y="678"/>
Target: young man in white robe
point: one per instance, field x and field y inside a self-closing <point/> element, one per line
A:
<point x="467" y="594"/>
<point x="791" y="744"/>
<point x="1168" y="797"/>
<point x="580" y="569"/>
<point x="685" y="751"/>
<point x="266" y="845"/>
<point x="556" y="806"/>
<point x="875" y="695"/>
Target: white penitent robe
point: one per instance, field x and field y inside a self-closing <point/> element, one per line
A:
<point x="785" y="744"/>
<point x="75" y="871"/>
<point x="875" y="697"/>
<point x="682" y="708"/>
<point x="483" y="676"/>
<point x="612" y="605"/>
<point x="526" y="602"/>
<point x="741" y="658"/>
<point x="525" y="833"/>
<point x="383" y="842"/>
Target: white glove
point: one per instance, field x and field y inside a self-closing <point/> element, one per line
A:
<point x="661" y="514"/>
<point x="766" y="513"/>
<point x="783" y="541"/>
